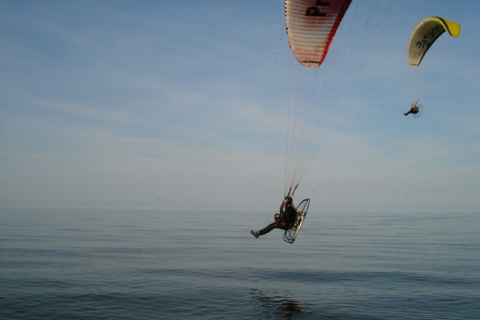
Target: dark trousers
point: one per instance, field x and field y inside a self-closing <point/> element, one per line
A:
<point x="268" y="228"/>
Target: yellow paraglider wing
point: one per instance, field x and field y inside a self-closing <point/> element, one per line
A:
<point x="424" y="35"/>
<point x="311" y="26"/>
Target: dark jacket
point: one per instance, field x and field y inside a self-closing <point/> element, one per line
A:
<point x="288" y="214"/>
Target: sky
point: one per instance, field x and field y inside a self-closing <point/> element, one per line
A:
<point x="183" y="104"/>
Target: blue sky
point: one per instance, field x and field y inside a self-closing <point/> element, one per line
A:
<point x="183" y="104"/>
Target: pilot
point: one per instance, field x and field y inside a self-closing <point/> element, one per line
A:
<point x="413" y="110"/>
<point x="282" y="220"/>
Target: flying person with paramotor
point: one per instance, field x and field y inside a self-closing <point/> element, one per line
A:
<point x="423" y="36"/>
<point x="317" y="85"/>
<point x="289" y="219"/>
<point x="415" y="109"/>
<point x="311" y="26"/>
<point x="283" y="220"/>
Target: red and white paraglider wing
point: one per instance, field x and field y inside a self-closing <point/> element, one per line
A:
<point x="311" y="26"/>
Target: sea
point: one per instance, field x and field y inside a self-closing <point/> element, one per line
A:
<point x="106" y="263"/>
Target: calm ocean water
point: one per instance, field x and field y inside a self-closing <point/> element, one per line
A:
<point x="58" y="263"/>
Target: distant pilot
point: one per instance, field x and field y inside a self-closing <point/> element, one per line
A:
<point x="283" y="220"/>
<point x="413" y="109"/>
